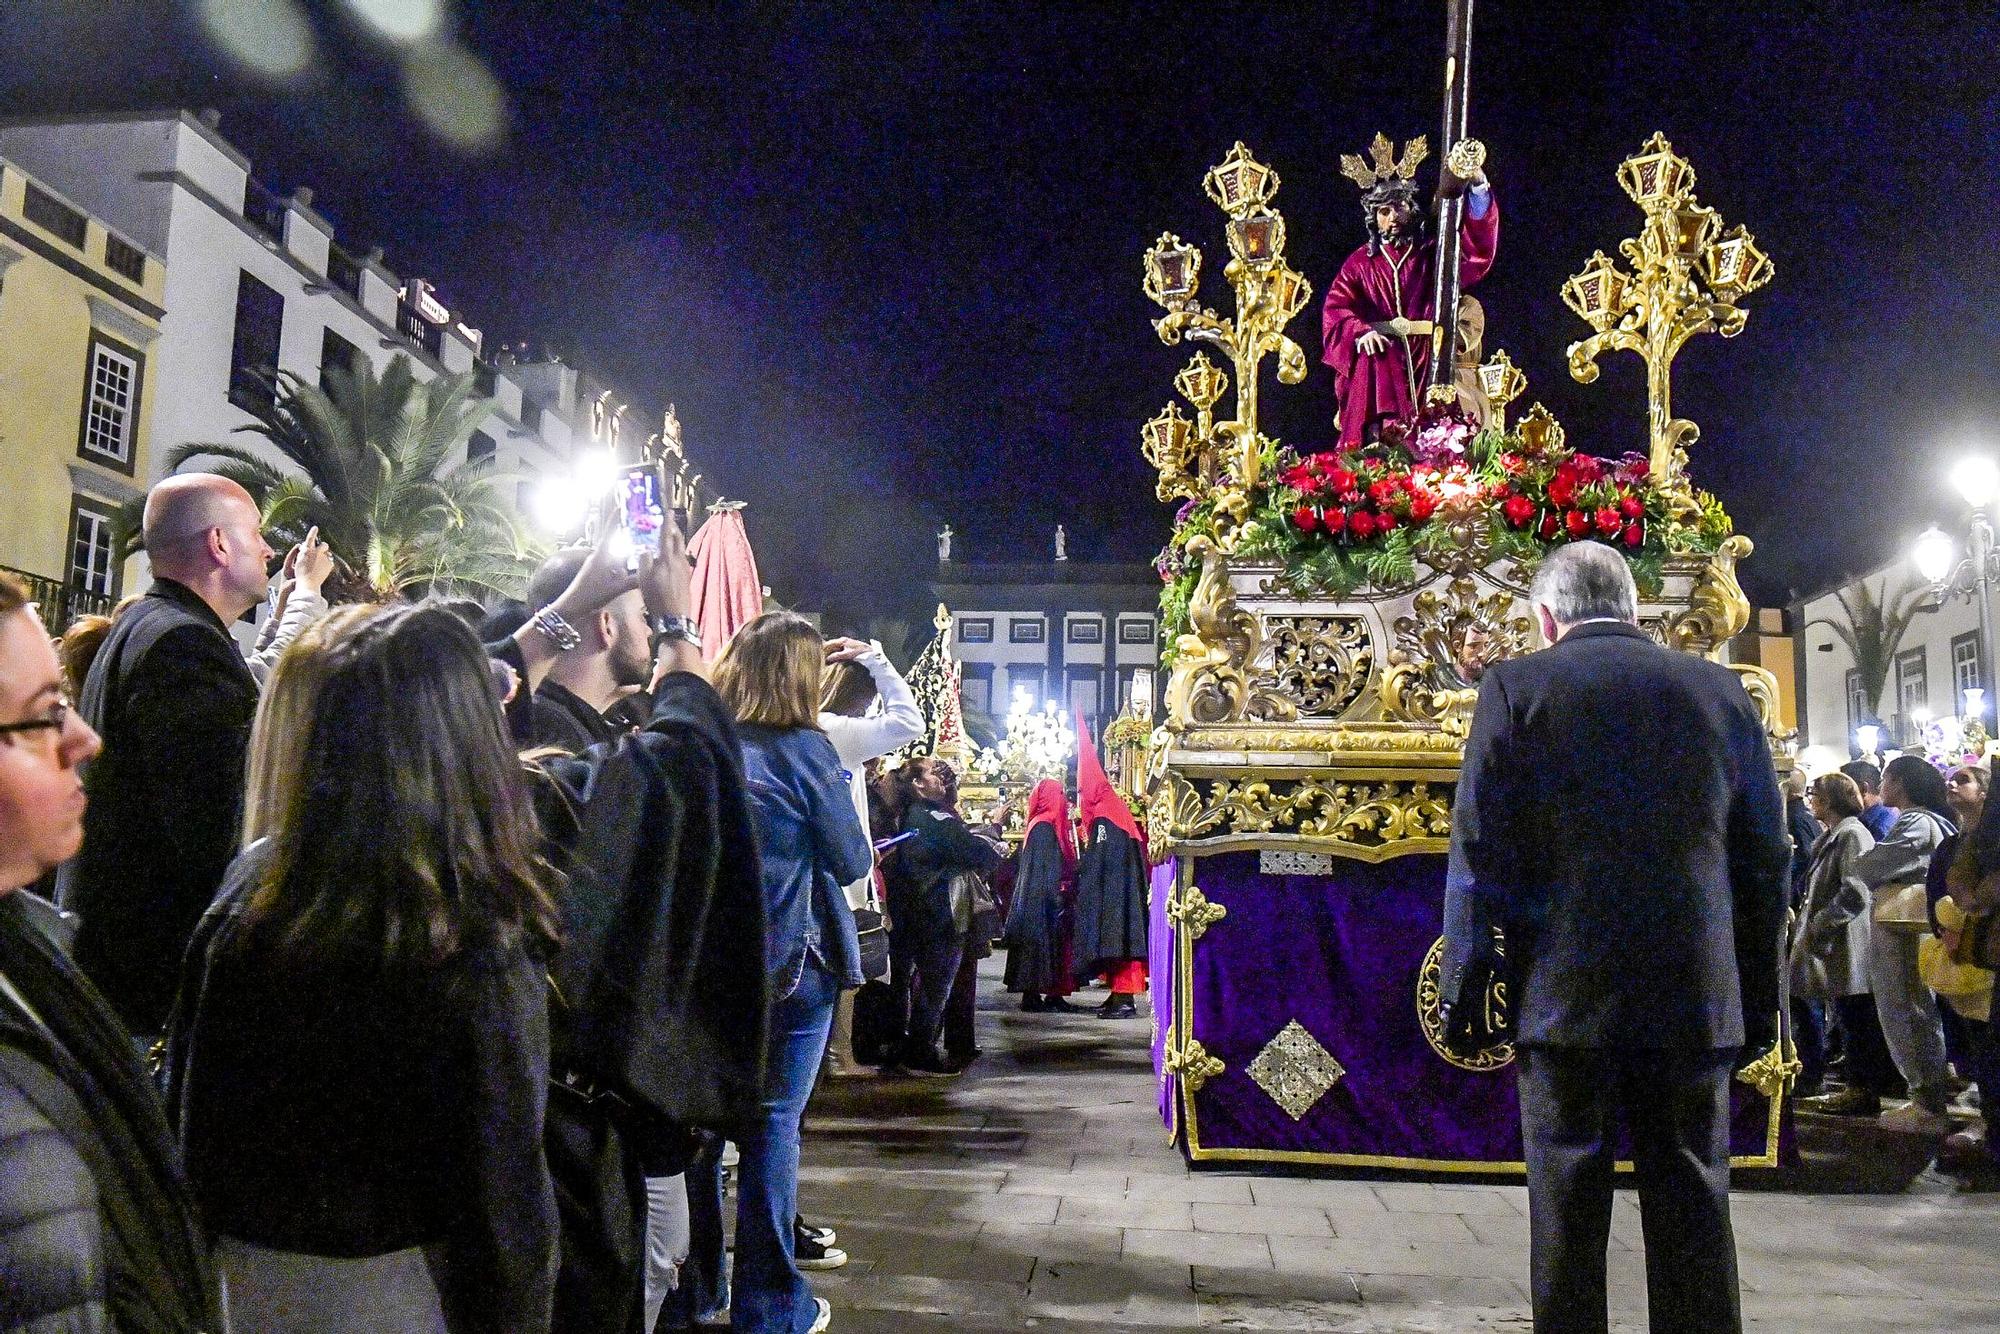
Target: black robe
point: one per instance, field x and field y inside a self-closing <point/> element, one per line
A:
<point x="1110" y="902"/>
<point x="660" y="1008"/>
<point x="1038" y="920"/>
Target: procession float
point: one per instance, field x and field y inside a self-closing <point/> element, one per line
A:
<point x="1328" y="612"/>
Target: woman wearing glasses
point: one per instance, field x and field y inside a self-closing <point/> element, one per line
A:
<point x="96" y="1226"/>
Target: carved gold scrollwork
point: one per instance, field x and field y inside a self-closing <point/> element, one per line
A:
<point x="1193" y="1065"/>
<point x="1193" y="909"/>
<point x="1718" y="610"/>
<point x="1210" y="681"/>
<point x="1443" y="648"/>
<point x="1362" y="814"/>
<point x="1772" y="1073"/>
<point x="1762" y="687"/>
<point x="1320" y="662"/>
<point x="1430" y="1016"/>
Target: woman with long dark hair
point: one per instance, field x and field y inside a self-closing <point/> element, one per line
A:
<point x="361" y="1056"/>
<point x="810" y="843"/>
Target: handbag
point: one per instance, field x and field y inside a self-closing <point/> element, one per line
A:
<point x="873" y="935"/>
<point x="1902" y="907"/>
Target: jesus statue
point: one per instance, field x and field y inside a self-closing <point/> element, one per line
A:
<point x="1378" y="320"/>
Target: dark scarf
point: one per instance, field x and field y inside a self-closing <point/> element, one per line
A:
<point x="159" y="1280"/>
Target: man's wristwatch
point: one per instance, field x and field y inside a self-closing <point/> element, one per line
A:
<point x="677" y="627"/>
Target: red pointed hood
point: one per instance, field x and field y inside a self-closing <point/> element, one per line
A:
<point x="1047" y="805"/>
<point x="1096" y="799"/>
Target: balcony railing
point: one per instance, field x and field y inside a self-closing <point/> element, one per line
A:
<point x="60" y="603"/>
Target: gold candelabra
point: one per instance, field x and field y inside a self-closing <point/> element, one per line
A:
<point x="1196" y="458"/>
<point x="1687" y="276"/>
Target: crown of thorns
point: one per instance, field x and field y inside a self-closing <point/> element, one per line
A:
<point x="1387" y="166"/>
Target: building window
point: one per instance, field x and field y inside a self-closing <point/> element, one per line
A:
<point x="344" y="271"/>
<point x="125" y="259"/>
<point x="975" y="630"/>
<point x="975" y="692"/>
<point x="1085" y="694"/>
<point x="253" y="356"/>
<point x="1913" y="688"/>
<point x="1967" y="672"/>
<point x="1858" y="703"/>
<point x="1135" y="632"/>
<point x="1026" y="681"/>
<point x="1027" y="632"/>
<point x="110" y="403"/>
<point x="1089" y="631"/>
<point x="93" y="566"/>
<point x="55" y="217"/>
<point x="480" y="446"/>
<point x="485" y="378"/>
<point x="337" y="354"/>
<point x="531" y="414"/>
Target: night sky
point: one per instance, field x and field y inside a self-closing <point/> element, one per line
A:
<point x="885" y="258"/>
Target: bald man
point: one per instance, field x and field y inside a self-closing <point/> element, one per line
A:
<point x="171" y="697"/>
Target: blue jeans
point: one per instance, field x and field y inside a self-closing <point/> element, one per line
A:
<point x="769" y="1295"/>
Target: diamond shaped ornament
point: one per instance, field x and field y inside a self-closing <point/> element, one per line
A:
<point x="1295" y="1070"/>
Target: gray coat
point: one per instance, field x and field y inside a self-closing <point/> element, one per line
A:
<point x="1830" y="943"/>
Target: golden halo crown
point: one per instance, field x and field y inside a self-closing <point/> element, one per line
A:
<point x="1386" y="163"/>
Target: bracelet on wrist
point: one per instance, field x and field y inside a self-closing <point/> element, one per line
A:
<point x="555" y="629"/>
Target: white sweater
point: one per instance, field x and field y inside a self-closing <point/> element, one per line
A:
<point x="895" y="721"/>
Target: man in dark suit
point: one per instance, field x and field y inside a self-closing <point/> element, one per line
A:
<point x="171" y="697"/>
<point x="1618" y="817"/>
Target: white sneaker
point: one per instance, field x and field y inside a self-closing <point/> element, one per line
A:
<point x="1915" y="1119"/>
<point x="824" y="1319"/>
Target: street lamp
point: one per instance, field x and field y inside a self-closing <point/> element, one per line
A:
<point x="1976" y="478"/>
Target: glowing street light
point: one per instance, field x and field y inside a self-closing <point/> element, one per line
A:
<point x="1868" y="737"/>
<point x="1976" y="478"/>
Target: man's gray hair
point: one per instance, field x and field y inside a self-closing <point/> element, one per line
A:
<point x="1586" y="581"/>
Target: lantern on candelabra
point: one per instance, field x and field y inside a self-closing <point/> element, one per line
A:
<point x="1687" y="275"/>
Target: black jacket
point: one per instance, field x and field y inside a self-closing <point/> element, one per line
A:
<point x="1110" y="902"/>
<point x="97" y="1226"/>
<point x="560" y="718"/>
<point x="660" y="974"/>
<point x="342" y="1110"/>
<point x="922" y="867"/>
<point x="1618" y="816"/>
<point x="173" y="701"/>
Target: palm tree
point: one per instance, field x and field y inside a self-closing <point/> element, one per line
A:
<point x="1873" y="630"/>
<point x="371" y="454"/>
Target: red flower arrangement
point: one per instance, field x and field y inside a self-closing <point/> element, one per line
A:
<point x="1421" y="468"/>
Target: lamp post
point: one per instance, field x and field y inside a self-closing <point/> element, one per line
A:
<point x="1976" y="478"/>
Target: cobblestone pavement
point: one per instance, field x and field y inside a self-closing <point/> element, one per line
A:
<point x="1039" y="1192"/>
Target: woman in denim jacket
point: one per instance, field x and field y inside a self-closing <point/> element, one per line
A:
<point x="811" y="844"/>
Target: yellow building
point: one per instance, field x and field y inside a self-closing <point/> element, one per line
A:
<point x="78" y="307"/>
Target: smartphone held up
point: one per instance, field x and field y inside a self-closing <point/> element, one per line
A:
<point x="642" y="513"/>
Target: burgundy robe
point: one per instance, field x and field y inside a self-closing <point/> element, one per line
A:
<point x="1373" y="289"/>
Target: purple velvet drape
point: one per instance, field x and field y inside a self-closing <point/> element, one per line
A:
<point x="1340" y="954"/>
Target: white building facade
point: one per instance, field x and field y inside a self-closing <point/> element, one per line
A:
<point x="256" y="282"/>
<point x="1071" y="632"/>
<point x="1938" y="659"/>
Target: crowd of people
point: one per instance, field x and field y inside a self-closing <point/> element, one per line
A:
<point x="1887" y="860"/>
<point x="417" y="969"/>
<point x="421" y="967"/>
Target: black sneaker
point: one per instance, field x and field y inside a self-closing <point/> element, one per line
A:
<point x="809" y="1254"/>
<point x="825" y="1236"/>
